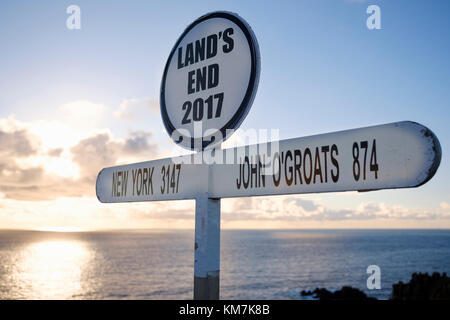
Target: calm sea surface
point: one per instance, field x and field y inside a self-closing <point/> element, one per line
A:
<point x="254" y="264"/>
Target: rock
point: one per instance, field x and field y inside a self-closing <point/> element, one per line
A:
<point x="304" y="293"/>
<point x="423" y="287"/>
<point x="346" y="293"/>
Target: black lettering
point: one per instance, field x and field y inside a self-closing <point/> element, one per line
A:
<point x="134" y="173"/>
<point x="191" y="80"/>
<point x="228" y="40"/>
<point x="246" y="162"/>
<point x="276" y="181"/>
<point x="253" y="173"/>
<point x="178" y="166"/>
<point x="186" y="106"/>
<point x="262" y="166"/>
<point x="114" y="185"/>
<point x="180" y="53"/>
<point x="290" y="179"/>
<point x="144" y="181"/>
<point x="163" y="176"/>
<point x="373" y="159"/>
<point x="150" y="182"/>
<point x="307" y="176"/>
<point x="325" y="149"/>
<point x="211" y="46"/>
<point x="317" y="166"/>
<point x="139" y="180"/>
<point x="201" y="79"/>
<point x="213" y="75"/>
<point x="239" y="180"/>
<point x="334" y="177"/>
<point x="172" y="180"/>
<point x="189" y="58"/>
<point x="297" y="165"/>
<point x="205" y="78"/>
<point x="197" y="113"/>
<point x="119" y="175"/>
<point x="200" y="50"/>
<point x="124" y="183"/>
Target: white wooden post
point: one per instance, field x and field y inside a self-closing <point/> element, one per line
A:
<point x="207" y="248"/>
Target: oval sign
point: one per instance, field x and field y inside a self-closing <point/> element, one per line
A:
<point x="210" y="80"/>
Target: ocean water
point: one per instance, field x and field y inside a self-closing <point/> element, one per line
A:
<point x="152" y="264"/>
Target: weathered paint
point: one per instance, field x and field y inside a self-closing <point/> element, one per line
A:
<point x="207" y="248"/>
<point x="434" y="149"/>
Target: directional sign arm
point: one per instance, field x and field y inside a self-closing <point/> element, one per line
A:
<point x="164" y="179"/>
<point x="397" y="155"/>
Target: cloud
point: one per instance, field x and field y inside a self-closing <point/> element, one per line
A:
<point x="15" y="141"/>
<point x="445" y="205"/>
<point x="307" y="205"/>
<point x="99" y="151"/>
<point x="130" y="109"/>
<point x="138" y="142"/>
<point x="82" y="115"/>
<point x="30" y="170"/>
<point x="16" y="144"/>
<point x="293" y="208"/>
<point x="242" y="204"/>
<point x="84" y="109"/>
<point x="55" y="152"/>
<point x="162" y="211"/>
<point x="94" y="153"/>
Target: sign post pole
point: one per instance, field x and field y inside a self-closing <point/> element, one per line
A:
<point x="207" y="248"/>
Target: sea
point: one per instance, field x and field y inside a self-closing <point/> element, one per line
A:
<point x="255" y="264"/>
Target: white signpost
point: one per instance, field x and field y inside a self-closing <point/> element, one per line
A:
<point x="210" y="80"/>
<point x="208" y="86"/>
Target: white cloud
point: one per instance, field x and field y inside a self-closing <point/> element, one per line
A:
<point x="294" y="208"/>
<point x="33" y="168"/>
<point x="131" y="109"/>
<point x="71" y="122"/>
<point x="81" y="114"/>
<point x="101" y="150"/>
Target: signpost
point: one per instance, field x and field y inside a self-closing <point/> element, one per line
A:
<point x="210" y="81"/>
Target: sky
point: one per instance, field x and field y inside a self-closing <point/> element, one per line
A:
<point x="75" y="101"/>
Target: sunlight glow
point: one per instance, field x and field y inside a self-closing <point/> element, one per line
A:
<point x="61" y="229"/>
<point x="54" y="134"/>
<point x="62" y="167"/>
<point x="53" y="269"/>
